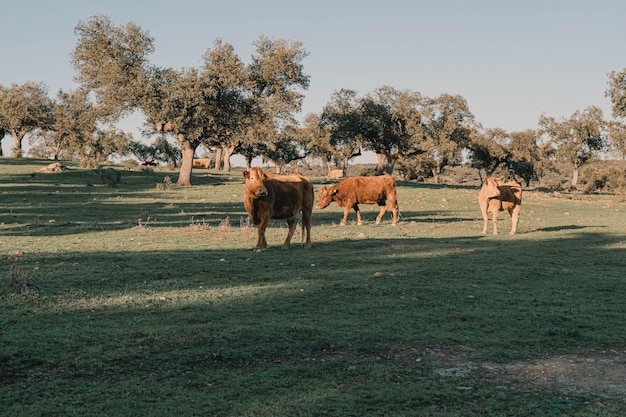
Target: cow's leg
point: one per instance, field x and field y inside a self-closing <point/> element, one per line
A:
<point x="395" y="209"/>
<point x="357" y="210"/>
<point x="381" y="213"/>
<point x="346" y="211"/>
<point x="485" y="219"/>
<point x="261" y="243"/>
<point x="306" y="226"/>
<point x="494" y="220"/>
<point x="393" y="202"/>
<point x="291" y="223"/>
<point x="514" y="219"/>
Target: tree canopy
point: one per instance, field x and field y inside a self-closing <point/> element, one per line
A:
<point x="223" y="104"/>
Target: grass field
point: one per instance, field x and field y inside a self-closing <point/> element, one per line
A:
<point x="146" y="299"/>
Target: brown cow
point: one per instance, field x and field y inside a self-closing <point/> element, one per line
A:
<point x="335" y="173"/>
<point x="496" y="196"/>
<point x="351" y="192"/>
<point x="202" y="163"/>
<point x="268" y="197"/>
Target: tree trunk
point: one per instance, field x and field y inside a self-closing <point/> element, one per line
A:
<point x="575" y="176"/>
<point x="17" y="150"/>
<point x="436" y="171"/>
<point x="188" y="149"/>
<point x="227" y="151"/>
<point x="380" y="165"/>
<point x="218" y="159"/>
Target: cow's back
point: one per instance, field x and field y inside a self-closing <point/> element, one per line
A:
<point x="289" y="195"/>
<point x="371" y="190"/>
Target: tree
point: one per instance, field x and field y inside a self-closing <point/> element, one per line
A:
<point x="617" y="92"/>
<point x="391" y="125"/>
<point x="24" y="109"/>
<point x="3" y="133"/>
<point x="75" y="120"/>
<point x="229" y="92"/>
<point x="100" y="145"/>
<point x="317" y="140"/>
<point x="340" y="124"/>
<point x="577" y="139"/>
<point x="276" y="78"/>
<point x="488" y="150"/>
<point x="217" y="105"/>
<point x="617" y="136"/>
<point x="112" y="62"/>
<point x="448" y="124"/>
<point x="159" y="151"/>
<point x="526" y="159"/>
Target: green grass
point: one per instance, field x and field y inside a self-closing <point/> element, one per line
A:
<point x="145" y="299"/>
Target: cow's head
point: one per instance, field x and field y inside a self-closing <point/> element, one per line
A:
<point x="326" y="196"/>
<point x="490" y="187"/>
<point x="255" y="182"/>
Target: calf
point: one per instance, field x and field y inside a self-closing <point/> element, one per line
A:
<point x="350" y="192"/>
<point x="496" y="196"/>
<point x="268" y="197"/>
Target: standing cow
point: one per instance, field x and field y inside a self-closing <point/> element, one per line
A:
<point x="496" y="196"/>
<point x="351" y="192"/>
<point x="268" y="197"/>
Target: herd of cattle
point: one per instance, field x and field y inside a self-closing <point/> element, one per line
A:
<point x="292" y="197"/>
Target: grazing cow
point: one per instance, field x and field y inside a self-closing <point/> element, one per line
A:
<point x="268" y="197"/>
<point x="351" y="192"/>
<point x="202" y="163"/>
<point x="496" y="196"/>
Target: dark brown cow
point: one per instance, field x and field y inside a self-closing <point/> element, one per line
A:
<point x="496" y="196"/>
<point x="351" y="192"/>
<point x="268" y="197"/>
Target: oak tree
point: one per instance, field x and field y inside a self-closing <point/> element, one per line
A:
<point x="576" y="139"/>
<point x="24" y="109"/>
<point x="447" y="123"/>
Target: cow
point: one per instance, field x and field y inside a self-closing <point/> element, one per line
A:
<point x="351" y="192"/>
<point x="285" y="197"/>
<point x="335" y="173"/>
<point x="496" y="196"/>
<point x="202" y="163"/>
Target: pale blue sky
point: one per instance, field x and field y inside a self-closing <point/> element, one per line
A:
<point x="511" y="60"/>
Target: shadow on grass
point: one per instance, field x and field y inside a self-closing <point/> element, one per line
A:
<point x="336" y="314"/>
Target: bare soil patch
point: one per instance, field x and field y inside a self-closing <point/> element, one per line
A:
<point x="592" y="374"/>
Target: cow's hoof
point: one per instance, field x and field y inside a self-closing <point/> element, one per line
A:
<point x="259" y="249"/>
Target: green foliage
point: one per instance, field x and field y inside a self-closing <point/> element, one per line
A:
<point x="24" y="109"/>
<point x="150" y="301"/>
<point x="607" y="179"/>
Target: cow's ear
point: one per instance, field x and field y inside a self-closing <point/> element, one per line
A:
<point x="268" y="175"/>
<point x="246" y="174"/>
